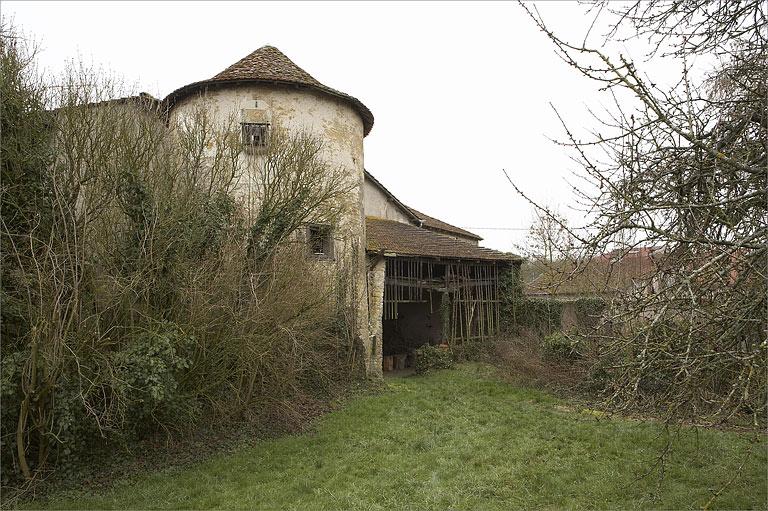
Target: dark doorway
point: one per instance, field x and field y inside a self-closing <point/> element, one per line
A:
<point x="417" y="323"/>
<point x="436" y="302"/>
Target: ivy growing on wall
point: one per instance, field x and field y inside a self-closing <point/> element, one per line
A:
<point x="540" y="315"/>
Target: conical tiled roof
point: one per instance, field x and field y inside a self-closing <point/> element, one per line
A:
<point x="270" y="65"/>
<point x="267" y="63"/>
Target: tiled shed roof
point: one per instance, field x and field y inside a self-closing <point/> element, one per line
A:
<point x="438" y="225"/>
<point x="270" y="65"/>
<point x="409" y="240"/>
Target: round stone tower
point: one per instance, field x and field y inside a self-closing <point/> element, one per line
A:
<point x="266" y="89"/>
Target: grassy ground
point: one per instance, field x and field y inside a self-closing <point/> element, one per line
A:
<point x="457" y="439"/>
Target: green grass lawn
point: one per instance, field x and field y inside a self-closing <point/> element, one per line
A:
<point x="457" y="439"/>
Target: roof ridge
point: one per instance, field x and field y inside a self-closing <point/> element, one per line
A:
<point x="436" y="223"/>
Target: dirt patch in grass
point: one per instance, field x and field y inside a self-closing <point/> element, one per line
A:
<point x="519" y="360"/>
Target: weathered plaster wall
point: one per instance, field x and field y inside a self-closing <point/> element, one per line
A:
<point x="330" y="119"/>
<point x="376" y="274"/>
<point x="376" y="203"/>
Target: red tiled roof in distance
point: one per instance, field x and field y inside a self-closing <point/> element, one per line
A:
<point x="270" y="65"/>
<point x="408" y="240"/>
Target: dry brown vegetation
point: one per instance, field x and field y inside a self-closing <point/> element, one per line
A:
<point x="522" y="361"/>
<point x="140" y="292"/>
<point x="681" y="168"/>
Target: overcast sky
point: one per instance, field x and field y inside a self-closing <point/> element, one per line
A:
<point x="459" y="91"/>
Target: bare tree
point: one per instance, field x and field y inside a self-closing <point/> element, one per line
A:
<point x="549" y="249"/>
<point x="548" y="237"/>
<point x="684" y="169"/>
<point x="128" y="296"/>
<point x="294" y="185"/>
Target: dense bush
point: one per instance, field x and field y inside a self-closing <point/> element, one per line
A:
<point x="552" y="341"/>
<point x="141" y="292"/>
<point x="149" y="372"/>
<point x="561" y="346"/>
<point x="429" y="357"/>
<point x="510" y="298"/>
<point x="543" y="316"/>
<point x="476" y="350"/>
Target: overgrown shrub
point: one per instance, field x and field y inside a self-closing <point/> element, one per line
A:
<point x="476" y="350"/>
<point x="542" y="315"/>
<point x="510" y="298"/>
<point x="588" y="307"/>
<point x="148" y="374"/>
<point x="430" y="357"/>
<point x="141" y="292"/>
<point x="561" y="346"/>
<point x="522" y="359"/>
<point x="598" y="378"/>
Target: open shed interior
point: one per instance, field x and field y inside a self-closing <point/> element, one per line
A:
<point x="428" y="301"/>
